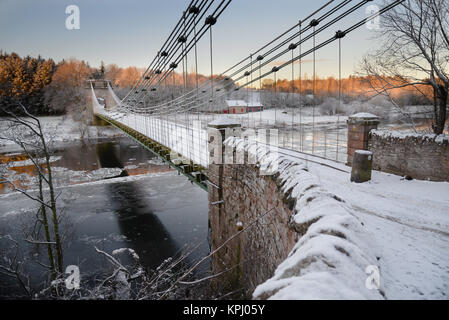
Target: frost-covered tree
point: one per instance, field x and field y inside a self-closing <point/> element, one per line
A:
<point x="27" y="132"/>
<point x="414" y="53"/>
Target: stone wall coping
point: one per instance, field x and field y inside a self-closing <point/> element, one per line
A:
<point x="400" y="135"/>
<point x="363" y="118"/>
<point x="364" y="115"/>
<point x="363" y="152"/>
<point x="224" y="122"/>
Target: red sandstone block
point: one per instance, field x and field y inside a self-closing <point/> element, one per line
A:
<point x="357" y="145"/>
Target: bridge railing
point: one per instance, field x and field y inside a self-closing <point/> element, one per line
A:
<point x="190" y="141"/>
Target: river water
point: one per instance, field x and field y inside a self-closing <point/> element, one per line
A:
<point x="146" y="207"/>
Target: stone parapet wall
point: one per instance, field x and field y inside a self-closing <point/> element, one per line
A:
<point x="298" y="240"/>
<point x="419" y="156"/>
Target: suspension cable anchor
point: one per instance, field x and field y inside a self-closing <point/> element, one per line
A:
<point x="339" y="34"/>
<point x="194" y="10"/>
<point x="211" y="20"/>
<point x="314" y="23"/>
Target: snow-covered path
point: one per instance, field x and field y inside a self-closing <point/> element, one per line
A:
<point x="409" y="221"/>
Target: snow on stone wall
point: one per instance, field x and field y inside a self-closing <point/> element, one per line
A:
<point x="391" y="134"/>
<point x="330" y="251"/>
<point x="420" y="156"/>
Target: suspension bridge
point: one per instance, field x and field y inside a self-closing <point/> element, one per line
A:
<point x="170" y="117"/>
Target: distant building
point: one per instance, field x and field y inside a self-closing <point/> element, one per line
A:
<point x="241" y="106"/>
<point x="254" y="107"/>
<point x="235" y="106"/>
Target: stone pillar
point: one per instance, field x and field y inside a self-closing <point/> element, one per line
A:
<point x="359" y="126"/>
<point x="217" y="132"/>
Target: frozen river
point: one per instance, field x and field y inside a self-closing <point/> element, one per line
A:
<point x="146" y="207"/>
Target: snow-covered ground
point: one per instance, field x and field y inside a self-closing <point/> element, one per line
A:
<point x="287" y="116"/>
<point x="409" y="223"/>
<point x="405" y="232"/>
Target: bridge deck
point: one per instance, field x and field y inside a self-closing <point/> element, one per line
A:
<point x="194" y="172"/>
<point x="183" y="148"/>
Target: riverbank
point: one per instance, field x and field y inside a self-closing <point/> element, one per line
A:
<point x="62" y="131"/>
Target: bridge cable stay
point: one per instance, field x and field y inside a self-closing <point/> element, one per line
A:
<point x="171" y="45"/>
<point x="314" y="33"/>
<point x="330" y="40"/>
<point x="298" y="24"/>
<point x="211" y="63"/>
<point x="336" y="8"/>
<point x="186" y="117"/>
<point x="174" y="45"/>
<point x="322" y="44"/>
<point x="191" y="43"/>
<point x="284" y="34"/>
<point x="260" y="90"/>
<point x="275" y="69"/>
<point x="158" y="55"/>
<point x="340" y="35"/>
<point x="247" y="99"/>
<point x="301" y="141"/>
<point x="293" y="96"/>
<point x="252" y="93"/>
<point x="321" y="29"/>
<point x="197" y="88"/>
<point x="316" y="47"/>
<point x="170" y="48"/>
<point x="175" y="64"/>
<point x="313" y="92"/>
<point x="184" y="76"/>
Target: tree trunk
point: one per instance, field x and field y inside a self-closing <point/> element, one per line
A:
<point x="47" y="230"/>
<point x="442" y="104"/>
<point x="55" y="219"/>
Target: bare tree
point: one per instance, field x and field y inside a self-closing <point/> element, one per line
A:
<point x="415" y="53"/>
<point x="28" y="134"/>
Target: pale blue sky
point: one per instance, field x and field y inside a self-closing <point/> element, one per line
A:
<point x="130" y="32"/>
